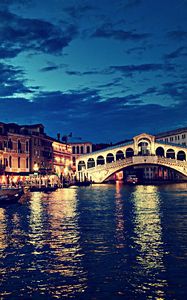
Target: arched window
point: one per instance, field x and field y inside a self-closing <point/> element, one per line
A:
<point x="100" y="160"/>
<point x="170" y="153"/>
<point x="129" y="152"/>
<point x="119" y="155"/>
<point x="81" y="165"/>
<point x="160" y="151"/>
<point x="109" y="158"/>
<point x="91" y="163"/>
<point x="88" y="149"/>
<point x="73" y="149"/>
<point x="77" y="149"/>
<point x="82" y="149"/>
<point x="181" y="155"/>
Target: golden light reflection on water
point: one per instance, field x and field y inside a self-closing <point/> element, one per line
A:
<point x="3" y="241"/>
<point x="148" y="238"/>
<point x="65" y="242"/>
<point x="120" y="222"/>
<point x="59" y="232"/>
<point x="36" y="237"/>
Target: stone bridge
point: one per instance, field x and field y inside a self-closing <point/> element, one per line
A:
<point x="143" y="150"/>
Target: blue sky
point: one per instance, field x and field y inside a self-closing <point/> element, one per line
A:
<point x="103" y="70"/>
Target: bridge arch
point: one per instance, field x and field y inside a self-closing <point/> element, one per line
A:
<point x="181" y="155"/>
<point x="129" y="152"/>
<point x="119" y="155"/>
<point x="144" y="146"/>
<point x="81" y="165"/>
<point x="170" y="153"/>
<point x="160" y="151"/>
<point x="168" y="166"/>
<point x="100" y="160"/>
<point x="109" y="158"/>
<point x="90" y="163"/>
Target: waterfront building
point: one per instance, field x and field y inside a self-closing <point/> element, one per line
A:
<point x="78" y="149"/>
<point x="41" y="150"/>
<point x="62" y="158"/>
<point x="14" y="154"/>
<point x="177" y="136"/>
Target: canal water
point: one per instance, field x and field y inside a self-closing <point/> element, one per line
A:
<point x="98" y="242"/>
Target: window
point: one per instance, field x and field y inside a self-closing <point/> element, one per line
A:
<point x="82" y="149"/>
<point x="183" y="136"/>
<point x="19" y="162"/>
<point x="77" y="149"/>
<point x="19" y="146"/>
<point x="10" y="162"/>
<point x="27" y="163"/>
<point x="88" y="149"/>
<point x="73" y="149"/>
<point x="27" y="146"/>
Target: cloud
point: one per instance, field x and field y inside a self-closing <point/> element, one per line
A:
<point x="19" y="34"/>
<point x="87" y="114"/>
<point x="107" y="31"/>
<point x="181" y="51"/>
<point x="129" y="70"/>
<point x="78" y="10"/>
<point x="177" y="35"/>
<point x="12" y="81"/>
<point x="49" y="68"/>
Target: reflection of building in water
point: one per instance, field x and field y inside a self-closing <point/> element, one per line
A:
<point x="148" y="240"/>
<point x="64" y="242"/>
<point x="119" y="216"/>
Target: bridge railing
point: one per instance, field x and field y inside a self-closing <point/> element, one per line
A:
<point x="142" y="159"/>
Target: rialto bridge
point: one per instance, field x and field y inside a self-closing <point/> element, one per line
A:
<point x="143" y="150"/>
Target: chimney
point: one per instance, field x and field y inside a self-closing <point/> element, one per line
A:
<point x="58" y="136"/>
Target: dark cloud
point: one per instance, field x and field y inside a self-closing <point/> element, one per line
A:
<point x="128" y="70"/>
<point x="49" y="68"/>
<point x="19" y="34"/>
<point x="175" y="90"/>
<point x="78" y="10"/>
<point x="177" y="35"/>
<point x="181" y="51"/>
<point x="12" y="81"/>
<point x="108" y="31"/>
<point x="116" y="117"/>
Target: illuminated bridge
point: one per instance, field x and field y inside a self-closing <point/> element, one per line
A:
<point x="143" y="150"/>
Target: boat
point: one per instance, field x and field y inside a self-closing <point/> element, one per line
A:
<point x="132" y="179"/>
<point x="10" y="195"/>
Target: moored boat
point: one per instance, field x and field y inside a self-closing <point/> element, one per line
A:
<point x="10" y="195"/>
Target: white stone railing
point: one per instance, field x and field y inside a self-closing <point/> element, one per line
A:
<point x="138" y="160"/>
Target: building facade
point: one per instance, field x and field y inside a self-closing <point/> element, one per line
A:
<point x="78" y="149"/>
<point x="62" y="159"/>
<point x="14" y="153"/>
<point x="177" y="136"/>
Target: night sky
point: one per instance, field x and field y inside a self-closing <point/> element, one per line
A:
<point x="103" y="70"/>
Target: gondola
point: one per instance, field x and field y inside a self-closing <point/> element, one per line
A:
<point x="8" y="196"/>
